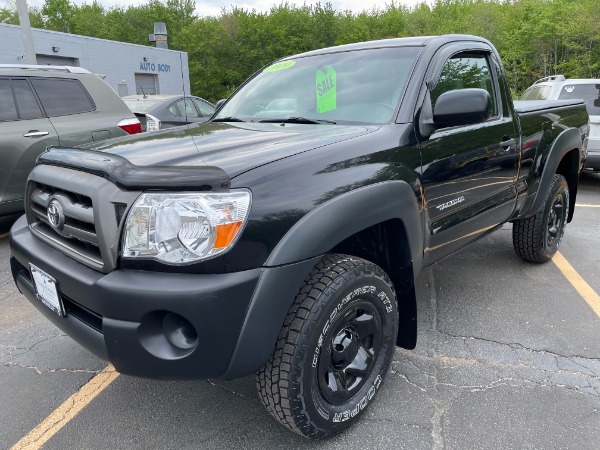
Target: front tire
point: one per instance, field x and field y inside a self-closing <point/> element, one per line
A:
<point x="537" y="238"/>
<point x="334" y="349"/>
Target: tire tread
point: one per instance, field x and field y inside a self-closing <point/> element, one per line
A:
<point x="528" y="233"/>
<point x="273" y="380"/>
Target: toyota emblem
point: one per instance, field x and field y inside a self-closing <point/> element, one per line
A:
<point x="55" y="215"/>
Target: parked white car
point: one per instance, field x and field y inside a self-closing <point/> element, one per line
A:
<point x="558" y="87"/>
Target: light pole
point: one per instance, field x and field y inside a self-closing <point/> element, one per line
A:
<point x="23" y="12"/>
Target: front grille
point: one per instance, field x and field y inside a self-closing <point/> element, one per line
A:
<point x="78" y="233"/>
<point x="78" y="213"/>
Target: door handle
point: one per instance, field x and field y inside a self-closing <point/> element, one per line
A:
<point x="507" y="143"/>
<point x="36" y="133"/>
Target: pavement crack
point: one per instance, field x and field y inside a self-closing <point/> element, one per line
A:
<point x="396" y="423"/>
<point x="450" y="361"/>
<point x="44" y="340"/>
<point x="437" y="419"/>
<point x="434" y="305"/>
<point x="546" y="378"/>
<point x="225" y="388"/>
<point x="552" y="371"/>
<point x="548" y="384"/>
<point x="19" y="345"/>
<point x="405" y="378"/>
<point x="42" y="372"/>
<point x="22" y="366"/>
<point x="484" y="387"/>
<point x="517" y="346"/>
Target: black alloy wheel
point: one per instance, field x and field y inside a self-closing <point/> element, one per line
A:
<point x="351" y="351"/>
<point x="556" y="220"/>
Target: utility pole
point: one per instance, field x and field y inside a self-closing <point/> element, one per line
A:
<point x="23" y="11"/>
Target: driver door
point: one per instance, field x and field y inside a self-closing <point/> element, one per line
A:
<point x="468" y="172"/>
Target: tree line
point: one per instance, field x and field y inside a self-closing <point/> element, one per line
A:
<point x="535" y="38"/>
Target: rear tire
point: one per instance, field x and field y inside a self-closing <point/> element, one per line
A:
<point x="537" y="238"/>
<point x="334" y="349"/>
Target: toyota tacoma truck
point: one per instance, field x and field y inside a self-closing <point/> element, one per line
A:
<point x="283" y="238"/>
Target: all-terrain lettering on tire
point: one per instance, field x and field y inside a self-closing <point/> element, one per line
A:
<point x="334" y="349"/>
<point x="362" y="404"/>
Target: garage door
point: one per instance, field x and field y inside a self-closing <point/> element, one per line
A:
<point x="51" y="60"/>
<point x="145" y="83"/>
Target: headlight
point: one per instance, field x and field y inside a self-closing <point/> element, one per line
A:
<point x="182" y="228"/>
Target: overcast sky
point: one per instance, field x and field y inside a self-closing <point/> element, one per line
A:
<point x="213" y="7"/>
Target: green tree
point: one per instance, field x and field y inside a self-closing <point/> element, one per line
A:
<point x="89" y="19"/>
<point x="535" y="38"/>
<point x="58" y="15"/>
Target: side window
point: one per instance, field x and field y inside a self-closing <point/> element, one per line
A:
<point x="183" y="108"/>
<point x="464" y="71"/>
<point x="204" y="108"/>
<point x="174" y="109"/>
<point x="537" y="92"/>
<point x="8" y="110"/>
<point x="28" y="105"/>
<point x="61" y="96"/>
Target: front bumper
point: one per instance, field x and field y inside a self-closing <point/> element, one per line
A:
<point x="119" y="316"/>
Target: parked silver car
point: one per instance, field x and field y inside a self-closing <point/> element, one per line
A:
<point x="558" y="87"/>
<point x="41" y="106"/>
<point x="160" y="111"/>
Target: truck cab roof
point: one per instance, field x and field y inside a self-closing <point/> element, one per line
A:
<point x="420" y="41"/>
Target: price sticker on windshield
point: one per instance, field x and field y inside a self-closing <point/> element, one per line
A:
<point x="282" y="65"/>
<point x="326" y="81"/>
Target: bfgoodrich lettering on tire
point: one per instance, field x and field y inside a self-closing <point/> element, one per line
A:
<point x="334" y="349"/>
<point x="537" y="238"/>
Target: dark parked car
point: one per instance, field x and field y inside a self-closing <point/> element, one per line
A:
<point x="156" y="112"/>
<point x="41" y="106"/>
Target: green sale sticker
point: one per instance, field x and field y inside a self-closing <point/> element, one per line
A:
<point x="326" y="89"/>
<point x="282" y="65"/>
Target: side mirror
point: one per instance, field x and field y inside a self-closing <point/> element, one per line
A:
<point x="462" y="107"/>
<point x="220" y="103"/>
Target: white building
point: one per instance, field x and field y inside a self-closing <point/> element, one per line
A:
<point x="129" y="68"/>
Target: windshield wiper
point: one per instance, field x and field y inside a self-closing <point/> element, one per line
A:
<point x="297" y="120"/>
<point x="228" y="119"/>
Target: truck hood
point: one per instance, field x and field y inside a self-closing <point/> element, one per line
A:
<point x="235" y="148"/>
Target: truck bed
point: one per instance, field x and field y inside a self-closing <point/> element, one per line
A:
<point x="527" y="106"/>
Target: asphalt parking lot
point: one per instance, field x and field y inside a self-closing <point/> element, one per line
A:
<point x="508" y="357"/>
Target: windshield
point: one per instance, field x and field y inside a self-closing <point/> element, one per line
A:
<point x="142" y="105"/>
<point x="362" y="86"/>
<point x="588" y="92"/>
<point x="537" y="92"/>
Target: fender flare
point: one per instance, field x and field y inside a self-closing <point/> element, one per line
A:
<point x="343" y="216"/>
<point x="568" y="140"/>
<point x="302" y="247"/>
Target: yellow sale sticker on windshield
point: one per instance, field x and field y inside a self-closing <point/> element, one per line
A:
<point x="282" y="65"/>
<point x="326" y="89"/>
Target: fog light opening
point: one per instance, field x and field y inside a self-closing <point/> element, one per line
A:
<point x="179" y="332"/>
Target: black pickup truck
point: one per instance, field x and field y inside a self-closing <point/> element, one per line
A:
<point x="283" y="238"/>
